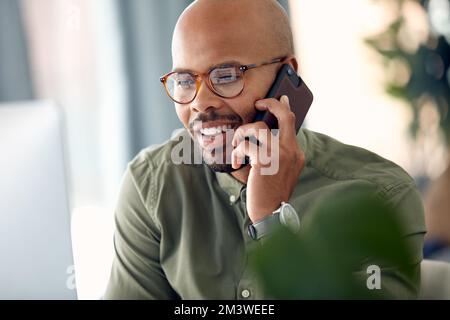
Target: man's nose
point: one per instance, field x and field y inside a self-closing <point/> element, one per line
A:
<point x="205" y="99"/>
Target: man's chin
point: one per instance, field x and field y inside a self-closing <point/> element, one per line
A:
<point x="218" y="166"/>
<point x="224" y="167"/>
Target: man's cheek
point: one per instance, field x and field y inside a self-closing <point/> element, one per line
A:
<point x="183" y="116"/>
<point x="247" y="113"/>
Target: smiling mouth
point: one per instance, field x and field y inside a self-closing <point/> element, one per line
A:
<point x="214" y="131"/>
<point x="214" y="137"/>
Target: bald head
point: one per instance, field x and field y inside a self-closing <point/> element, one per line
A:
<point x="226" y="27"/>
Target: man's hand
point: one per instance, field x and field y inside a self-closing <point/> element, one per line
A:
<point x="265" y="192"/>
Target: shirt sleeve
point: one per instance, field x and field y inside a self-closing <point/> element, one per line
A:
<point x="136" y="271"/>
<point x="403" y="282"/>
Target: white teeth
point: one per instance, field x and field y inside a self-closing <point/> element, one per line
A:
<point x="211" y="131"/>
<point x="215" y="130"/>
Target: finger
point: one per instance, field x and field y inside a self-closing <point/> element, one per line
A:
<point x="244" y="149"/>
<point x="258" y="130"/>
<point x="282" y="111"/>
<point x="284" y="100"/>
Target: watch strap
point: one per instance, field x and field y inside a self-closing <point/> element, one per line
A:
<point x="265" y="226"/>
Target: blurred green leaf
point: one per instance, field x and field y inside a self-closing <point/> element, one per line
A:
<point x="341" y="237"/>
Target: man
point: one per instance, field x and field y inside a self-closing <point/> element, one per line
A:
<point x="182" y="230"/>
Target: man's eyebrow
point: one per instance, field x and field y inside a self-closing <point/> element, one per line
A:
<point x="221" y="64"/>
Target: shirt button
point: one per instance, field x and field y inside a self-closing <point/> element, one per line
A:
<point x="245" y="293"/>
<point x="232" y="198"/>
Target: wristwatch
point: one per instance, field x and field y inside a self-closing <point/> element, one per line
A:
<point x="285" y="215"/>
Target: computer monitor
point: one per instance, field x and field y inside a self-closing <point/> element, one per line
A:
<point x="35" y="237"/>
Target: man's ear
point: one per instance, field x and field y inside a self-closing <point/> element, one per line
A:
<point x="293" y="62"/>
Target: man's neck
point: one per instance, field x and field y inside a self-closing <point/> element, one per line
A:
<point x="242" y="174"/>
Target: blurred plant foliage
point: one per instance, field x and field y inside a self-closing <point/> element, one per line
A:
<point x="416" y="52"/>
<point x="329" y="257"/>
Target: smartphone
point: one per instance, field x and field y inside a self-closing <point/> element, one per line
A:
<point x="288" y="83"/>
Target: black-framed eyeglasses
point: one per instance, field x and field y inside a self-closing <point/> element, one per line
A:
<point x="227" y="81"/>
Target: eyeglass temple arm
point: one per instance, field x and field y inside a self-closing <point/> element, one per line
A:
<point x="252" y="66"/>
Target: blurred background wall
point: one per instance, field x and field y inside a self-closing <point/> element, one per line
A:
<point x="101" y="61"/>
<point x="15" y="80"/>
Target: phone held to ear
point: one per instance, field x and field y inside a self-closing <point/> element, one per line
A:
<point x="288" y="83"/>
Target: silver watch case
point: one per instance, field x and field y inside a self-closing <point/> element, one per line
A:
<point x="288" y="216"/>
<point x="285" y="215"/>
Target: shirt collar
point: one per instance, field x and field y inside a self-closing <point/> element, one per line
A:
<point x="230" y="184"/>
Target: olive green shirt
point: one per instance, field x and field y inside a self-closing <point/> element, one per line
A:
<point x="181" y="230"/>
